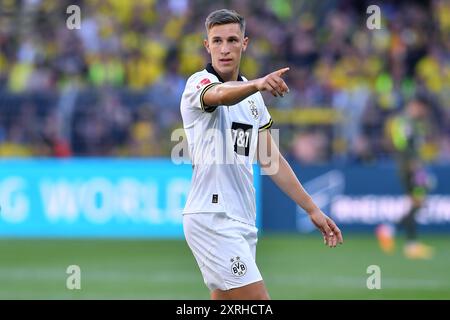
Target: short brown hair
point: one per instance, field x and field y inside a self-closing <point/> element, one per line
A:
<point x="224" y="16"/>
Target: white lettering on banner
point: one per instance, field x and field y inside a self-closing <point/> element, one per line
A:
<point x="373" y="209"/>
<point x="438" y="209"/>
<point x="100" y="200"/>
<point x="97" y="196"/>
<point x="59" y="200"/>
<point x="369" y="209"/>
<point x="176" y="198"/>
<point x="13" y="200"/>
<point x="149" y="195"/>
<point x="128" y="203"/>
<point x="391" y="207"/>
<point x="138" y="201"/>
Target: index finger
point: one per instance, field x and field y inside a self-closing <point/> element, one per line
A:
<point x="282" y="71"/>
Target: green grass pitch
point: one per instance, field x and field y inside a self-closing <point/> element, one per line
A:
<point x="293" y="266"/>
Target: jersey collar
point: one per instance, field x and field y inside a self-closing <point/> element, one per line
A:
<point x="210" y="69"/>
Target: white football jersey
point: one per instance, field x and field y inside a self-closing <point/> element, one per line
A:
<point x="222" y="145"/>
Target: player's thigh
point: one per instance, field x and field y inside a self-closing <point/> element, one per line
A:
<point x="234" y="256"/>
<point x="223" y="250"/>
<point x="252" y="291"/>
<point x="198" y="235"/>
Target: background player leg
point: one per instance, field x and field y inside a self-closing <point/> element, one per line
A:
<point x="414" y="249"/>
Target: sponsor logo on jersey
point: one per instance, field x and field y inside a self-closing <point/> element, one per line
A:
<point x="242" y="137"/>
<point x="203" y="83"/>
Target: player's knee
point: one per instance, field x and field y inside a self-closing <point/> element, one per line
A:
<point x="255" y="291"/>
<point x="261" y="295"/>
<point x="249" y="292"/>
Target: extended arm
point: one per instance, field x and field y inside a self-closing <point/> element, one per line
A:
<point x="232" y="92"/>
<point x="270" y="158"/>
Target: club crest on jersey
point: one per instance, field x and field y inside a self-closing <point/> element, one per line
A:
<point x="238" y="267"/>
<point x="204" y="82"/>
<point x="253" y="109"/>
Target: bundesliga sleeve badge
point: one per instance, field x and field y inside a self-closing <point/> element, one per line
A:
<point x="203" y="83"/>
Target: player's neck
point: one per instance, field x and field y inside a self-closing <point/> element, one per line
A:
<point x="228" y="76"/>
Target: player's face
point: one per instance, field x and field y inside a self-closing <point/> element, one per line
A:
<point x="226" y="43"/>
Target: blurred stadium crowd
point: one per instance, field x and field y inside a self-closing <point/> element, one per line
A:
<point x="113" y="87"/>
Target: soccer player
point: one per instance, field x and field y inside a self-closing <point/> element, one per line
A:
<point x="408" y="133"/>
<point x="227" y="124"/>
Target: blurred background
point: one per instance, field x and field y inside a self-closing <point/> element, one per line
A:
<point x="86" y="118"/>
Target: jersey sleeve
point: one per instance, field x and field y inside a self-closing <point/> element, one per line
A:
<point x="265" y="121"/>
<point x="196" y="88"/>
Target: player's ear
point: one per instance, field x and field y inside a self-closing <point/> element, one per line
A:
<point x="206" y="44"/>
<point x="244" y="44"/>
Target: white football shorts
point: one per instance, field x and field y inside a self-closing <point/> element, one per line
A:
<point x="225" y="249"/>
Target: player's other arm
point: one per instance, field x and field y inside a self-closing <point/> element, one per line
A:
<point x="286" y="180"/>
<point x="233" y="92"/>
